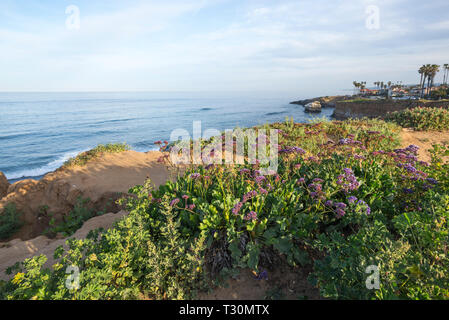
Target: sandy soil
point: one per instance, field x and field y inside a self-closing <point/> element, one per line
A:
<point x="423" y="139"/>
<point x="284" y="283"/>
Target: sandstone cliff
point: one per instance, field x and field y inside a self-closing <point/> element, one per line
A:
<point x="101" y="180"/>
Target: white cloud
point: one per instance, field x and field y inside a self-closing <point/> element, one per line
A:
<point x="175" y="46"/>
<point x="442" y="25"/>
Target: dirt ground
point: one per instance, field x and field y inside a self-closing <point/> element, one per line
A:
<point x="424" y="140"/>
<point x="284" y="283"/>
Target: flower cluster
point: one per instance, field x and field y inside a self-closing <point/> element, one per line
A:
<point x="237" y="208"/>
<point x="251" y="216"/>
<point x="248" y="196"/>
<point x="349" y="141"/>
<point x="317" y="190"/>
<point x="360" y="206"/>
<point x="259" y="179"/>
<point x="289" y="150"/>
<point x="348" y="181"/>
<point x="195" y="176"/>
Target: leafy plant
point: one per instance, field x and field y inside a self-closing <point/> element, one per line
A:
<point x="9" y="221"/>
<point x="421" y="118"/>
<point x="74" y="220"/>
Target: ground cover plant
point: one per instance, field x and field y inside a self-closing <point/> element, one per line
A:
<point x="74" y="220"/>
<point x="421" y="118"/>
<point x="96" y="152"/>
<point x="344" y="198"/>
<point x="9" y="221"/>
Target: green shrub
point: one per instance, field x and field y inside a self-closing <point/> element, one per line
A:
<point x="85" y="157"/>
<point x="74" y="220"/>
<point x="9" y="221"/>
<point x="421" y="118"/>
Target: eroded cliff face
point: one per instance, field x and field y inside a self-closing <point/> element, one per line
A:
<point x="101" y="180"/>
<point x="4" y="185"/>
<point x="379" y="108"/>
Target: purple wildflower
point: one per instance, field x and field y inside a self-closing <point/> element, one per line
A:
<point x="410" y="168"/>
<point x="195" y="176"/>
<point x="249" y="196"/>
<point x="237" y="208"/>
<point x="262" y="276"/>
<point x="251" y="216"/>
<point x="341" y="205"/>
<point x="348" y="180"/>
<point x="352" y="199"/>
<point x="365" y="206"/>
<point x="260" y="179"/>
<point x="174" y="202"/>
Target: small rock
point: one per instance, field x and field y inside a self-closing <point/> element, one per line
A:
<point x="313" y="107"/>
<point x="4" y="185"/>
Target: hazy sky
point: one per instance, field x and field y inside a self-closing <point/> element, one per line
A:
<point x="301" y="48"/>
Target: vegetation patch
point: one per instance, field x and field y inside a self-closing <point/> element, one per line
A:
<point x="74" y="220"/>
<point x="96" y="152"/>
<point x="9" y="221"/>
<point x="345" y="199"/>
<point x="422" y="118"/>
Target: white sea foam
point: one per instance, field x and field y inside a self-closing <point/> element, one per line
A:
<point x="55" y="164"/>
<point x="49" y="167"/>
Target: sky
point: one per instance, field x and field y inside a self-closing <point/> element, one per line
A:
<point x="298" y="48"/>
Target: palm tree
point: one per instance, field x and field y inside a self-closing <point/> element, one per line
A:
<point x="434" y="69"/>
<point x="445" y="72"/>
<point x="422" y="72"/>
<point x="427" y="77"/>
<point x="356" y="85"/>
<point x="363" y="85"/>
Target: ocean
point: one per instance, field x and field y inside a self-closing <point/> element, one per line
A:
<point x="40" y="131"/>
